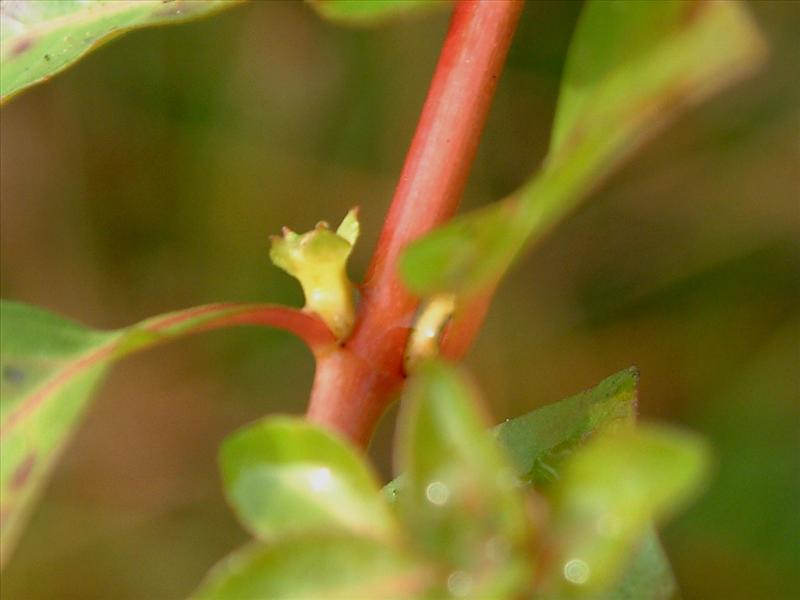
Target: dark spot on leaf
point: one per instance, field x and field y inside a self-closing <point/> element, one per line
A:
<point x="13" y="374"/>
<point x="23" y="472"/>
<point x="47" y="57"/>
<point x="21" y="46"/>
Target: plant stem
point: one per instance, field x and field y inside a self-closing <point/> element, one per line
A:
<point x="436" y="168"/>
<point x="352" y="389"/>
<point x="349" y="395"/>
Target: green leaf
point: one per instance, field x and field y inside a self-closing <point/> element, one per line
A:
<point x="540" y="441"/>
<point x="610" y="492"/>
<point x="648" y="575"/>
<point x="322" y="568"/>
<point x="287" y="477"/>
<point x="39" y="38"/>
<point x="631" y="67"/>
<point x="460" y="497"/>
<point x="372" y="12"/>
<point x="50" y="366"/>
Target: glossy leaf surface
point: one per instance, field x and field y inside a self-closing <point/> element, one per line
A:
<point x="541" y="440"/>
<point x="371" y="12"/>
<point x="286" y="477"/>
<point x="42" y="37"/>
<point x="631" y="67"/>
<point x="460" y="498"/>
<point x="323" y="568"/>
<point x="538" y="442"/>
<point x="610" y="492"/>
<point x="50" y="366"/>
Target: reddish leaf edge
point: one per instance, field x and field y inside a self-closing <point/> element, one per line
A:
<point x="110" y="36"/>
<point x="305" y="325"/>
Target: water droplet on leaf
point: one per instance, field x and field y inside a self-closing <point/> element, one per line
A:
<point x="459" y="583"/>
<point x="577" y="571"/>
<point x="437" y="493"/>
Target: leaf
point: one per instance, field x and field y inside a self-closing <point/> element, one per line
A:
<point x="35" y="348"/>
<point x="631" y="67"/>
<point x="50" y="366"/>
<point x="287" y="477"/>
<point x="538" y="444"/>
<point x="540" y="441"/>
<point x="648" y="575"/>
<point x="322" y="568"/>
<point x="610" y="492"/>
<point x="42" y="37"/>
<point x="372" y="12"/>
<point x="460" y="498"/>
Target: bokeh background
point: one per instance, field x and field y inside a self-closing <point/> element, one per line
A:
<point x="148" y="178"/>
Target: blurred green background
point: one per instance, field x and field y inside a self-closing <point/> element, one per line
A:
<point x="148" y="178"/>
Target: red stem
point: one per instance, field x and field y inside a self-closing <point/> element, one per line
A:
<point x="436" y="168"/>
<point x="352" y="391"/>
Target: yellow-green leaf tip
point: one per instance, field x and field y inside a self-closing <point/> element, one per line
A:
<point x="318" y="260"/>
<point x="350" y="228"/>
